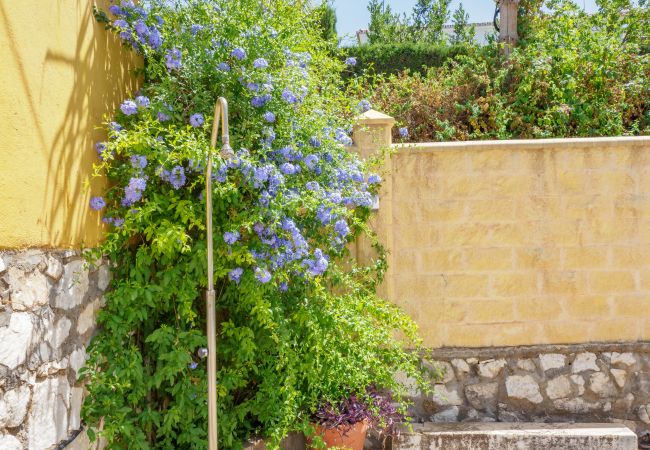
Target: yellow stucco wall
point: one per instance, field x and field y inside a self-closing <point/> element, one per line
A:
<point x="519" y="242"/>
<point x="62" y="72"/>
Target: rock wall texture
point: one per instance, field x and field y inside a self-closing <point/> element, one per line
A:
<point x="48" y="301"/>
<point x="558" y="383"/>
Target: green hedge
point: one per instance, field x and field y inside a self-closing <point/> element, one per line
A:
<point x="394" y="58"/>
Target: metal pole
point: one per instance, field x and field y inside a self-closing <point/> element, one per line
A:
<point x="220" y="110"/>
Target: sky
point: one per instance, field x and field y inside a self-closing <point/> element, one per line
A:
<point x="352" y="15"/>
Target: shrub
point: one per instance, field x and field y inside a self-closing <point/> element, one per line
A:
<point x="300" y="324"/>
<point x="456" y="102"/>
<point x="573" y="75"/>
<point x="394" y="58"/>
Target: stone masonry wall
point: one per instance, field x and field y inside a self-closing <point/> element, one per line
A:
<point x="561" y="383"/>
<point x="48" y="301"/>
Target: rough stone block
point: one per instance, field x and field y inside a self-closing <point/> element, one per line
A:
<point x="76" y="400"/>
<point x="73" y="285"/>
<point x="54" y="268"/>
<point x="103" y="277"/>
<point x="620" y="377"/>
<point x="86" y="319"/>
<point x="622" y="360"/>
<point x="516" y="436"/>
<point x="445" y="370"/>
<point x="77" y="360"/>
<point x="579" y="382"/>
<point x="59" y="332"/>
<point x="13" y="407"/>
<point x="16" y="339"/>
<point x="552" y="361"/>
<point x="48" y="421"/>
<point x="644" y="413"/>
<point x="583" y="362"/>
<point x="446" y="395"/>
<point x="601" y="385"/>
<point x="526" y="364"/>
<point x="559" y="387"/>
<point x="523" y="388"/>
<point x="9" y="442"/>
<point x="491" y="368"/>
<point x="483" y="395"/>
<point x="462" y="368"/>
<point x="410" y="383"/>
<point x="28" y="290"/>
<point x="448" y="415"/>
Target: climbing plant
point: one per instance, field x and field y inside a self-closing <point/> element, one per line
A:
<point x="300" y="324"/>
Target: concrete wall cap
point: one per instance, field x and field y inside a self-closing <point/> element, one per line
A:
<point x="372" y="117"/>
<point x="528" y="144"/>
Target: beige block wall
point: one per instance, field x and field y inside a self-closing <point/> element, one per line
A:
<point x="522" y="242"/>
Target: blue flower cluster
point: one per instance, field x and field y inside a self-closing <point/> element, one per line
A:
<point x="132" y="26"/>
<point x="138" y="161"/>
<point x="238" y="53"/>
<point x="129" y="107"/>
<point x="363" y="106"/>
<point x="100" y="148"/>
<point x="196" y="120"/>
<point x="278" y="176"/>
<point x="173" y="59"/>
<point x="117" y="222"/>
<point x="230" y="237"/>
<point x="133" y="192"/>
<point x="283" y="244"/>
<point x="176" y="177"/>
<point x="97" y="203"/>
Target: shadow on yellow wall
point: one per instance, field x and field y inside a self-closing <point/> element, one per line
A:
<point x="63" y="74"/>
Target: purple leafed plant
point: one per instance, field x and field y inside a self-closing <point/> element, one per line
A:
<point x="377" y="409"/>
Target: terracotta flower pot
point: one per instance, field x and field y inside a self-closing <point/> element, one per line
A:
<point x="351" y="438"/>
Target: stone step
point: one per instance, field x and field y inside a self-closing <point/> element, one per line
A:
<point x="516" y="436"/>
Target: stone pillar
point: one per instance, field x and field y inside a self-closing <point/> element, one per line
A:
<point x="48" y="302"/>
<point x="372" y="137"/>
<point x="508" y="12"/>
